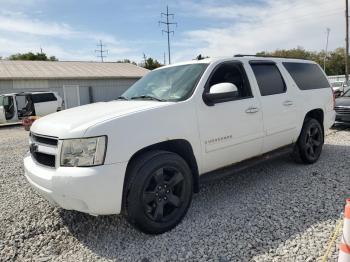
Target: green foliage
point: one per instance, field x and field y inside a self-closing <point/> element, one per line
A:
<point x="32" y="57"/>
<point x="335" y="61"/>
<point x="151" y="64"/>
<point x="126" y="61"/>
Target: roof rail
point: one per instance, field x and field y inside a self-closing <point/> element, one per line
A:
<point x="241" y="55"/>
<point x="270" y="56"/>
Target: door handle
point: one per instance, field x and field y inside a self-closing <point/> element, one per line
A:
<point x="252" y="110"/>
<point x="288" y="103"/>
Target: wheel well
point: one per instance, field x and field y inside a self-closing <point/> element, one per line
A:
<point x="316" y="114"/>
<point x="179" y="146"/>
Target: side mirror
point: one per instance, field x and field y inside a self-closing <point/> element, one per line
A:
<point x="223" y="88"/>
<point x="220" y="93"/>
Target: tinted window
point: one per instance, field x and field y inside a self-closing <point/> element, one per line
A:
<point x="306" y="76"/>
<point x="269" y="78"/>
<point x="46" y="97"/>
<point x="232" y="73"/>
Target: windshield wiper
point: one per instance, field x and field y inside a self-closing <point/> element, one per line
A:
<point x="147" y="97"/>
<point x="122" y="98"/>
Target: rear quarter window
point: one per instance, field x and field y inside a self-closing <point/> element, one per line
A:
<point x="46" y="97"/>
<point x="307" y="76"/>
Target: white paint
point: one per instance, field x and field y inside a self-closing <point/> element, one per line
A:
<point x="220" y="135"/>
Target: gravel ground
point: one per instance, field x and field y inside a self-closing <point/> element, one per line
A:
<point x="278" y="211"/>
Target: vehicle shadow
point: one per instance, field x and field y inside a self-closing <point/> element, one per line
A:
<point x="237" y="218"/>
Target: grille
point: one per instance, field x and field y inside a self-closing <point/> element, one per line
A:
<point x="342" y="110"/>
<point x="44" y="140"/>
<point x="44" y="159"/>
<point x="39" y="149"/>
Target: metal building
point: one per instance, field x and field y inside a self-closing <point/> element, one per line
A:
<point x="78" y="83"/>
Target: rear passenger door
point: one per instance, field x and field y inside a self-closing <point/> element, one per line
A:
<point x="278" y="104"/>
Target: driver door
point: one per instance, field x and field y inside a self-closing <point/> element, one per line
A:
<point x="231" y="129"/>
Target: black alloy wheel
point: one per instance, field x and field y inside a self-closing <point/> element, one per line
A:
<point x="313" y="141"/>
<point x="163" y="194"/>
<point x="310" y="142"/>
<point x="158" y="191"/>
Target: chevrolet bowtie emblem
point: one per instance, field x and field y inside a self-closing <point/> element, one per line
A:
<point x="33" y="148"/>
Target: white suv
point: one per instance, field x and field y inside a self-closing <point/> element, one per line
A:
<point x="144" y="154"/>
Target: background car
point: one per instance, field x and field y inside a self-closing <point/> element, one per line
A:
<point x="338" y="87"/>
<point x="17" y="106"/>
<point x="342" y="108"/>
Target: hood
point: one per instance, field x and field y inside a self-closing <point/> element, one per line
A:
<point x="342" y="101"/>
<point x="72" y="123"/>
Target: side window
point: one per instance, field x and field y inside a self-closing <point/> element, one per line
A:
<point x="269" y="78"/>
<point x="307" y="76"/>
<point x="231" y="72"/>
<point x="46" y="97"/>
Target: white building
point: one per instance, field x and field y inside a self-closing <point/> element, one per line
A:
<point x="78" y="83"/>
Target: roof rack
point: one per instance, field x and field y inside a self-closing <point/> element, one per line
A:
<point x="270" y="56"/>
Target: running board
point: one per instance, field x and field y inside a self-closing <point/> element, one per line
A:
<point x="238" y="167"/>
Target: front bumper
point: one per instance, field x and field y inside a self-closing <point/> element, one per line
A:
<point x="95" y="190"/>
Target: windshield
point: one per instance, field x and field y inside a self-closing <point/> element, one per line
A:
<point x="168" y="84"/>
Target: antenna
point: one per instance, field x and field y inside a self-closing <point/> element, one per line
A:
<point x="101" y="51"/>
<point x="167" y="30"/>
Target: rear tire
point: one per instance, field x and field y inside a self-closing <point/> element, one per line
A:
<point x="158" y="191"/>
<point x="310" y="142"/>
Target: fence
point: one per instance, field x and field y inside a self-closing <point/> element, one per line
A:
<point x="338" y="78"/>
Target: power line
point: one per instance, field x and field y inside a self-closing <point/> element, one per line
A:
<point x="292" y="21"/>
<point x="297" y="6"/>
<point x="167" y="30"/>
<point x="277" y="20"/>
<point x="100" y="51"/>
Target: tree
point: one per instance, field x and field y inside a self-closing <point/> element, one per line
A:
<point x="151" y="64"/>
<point x="32" y="57"/>
<point x="126" y="61"/>
<point x="335" y="60"/>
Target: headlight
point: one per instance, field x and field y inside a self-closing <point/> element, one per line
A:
<point x="84" y="151"/>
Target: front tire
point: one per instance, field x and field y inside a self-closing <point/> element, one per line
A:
<point x="309" y="145"/>
<point x="159" y="191"/>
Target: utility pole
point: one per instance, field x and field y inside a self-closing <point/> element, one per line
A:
<point x="167" y="30"/>
<point x="164" y="59"/>
<point x="144" y="59"/>
<point x="326" y="50"/>
<point x="100" y="51"/>
<point x="346" y="40"/>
